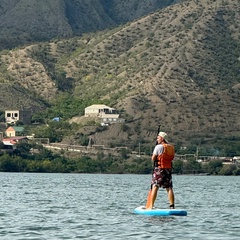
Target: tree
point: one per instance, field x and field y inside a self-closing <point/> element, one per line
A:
<point x="214" y="166"/>
<point x="192" y="166"/>
<point x="177" y="166"/>
<point x="123" y="152"/>
<point x="228" y="169"/>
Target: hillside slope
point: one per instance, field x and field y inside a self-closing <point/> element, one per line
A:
<point x="24" y="21"/>
<point x="178" y="66"/>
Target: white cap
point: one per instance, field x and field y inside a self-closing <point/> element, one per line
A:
<point x="163" y="135"/>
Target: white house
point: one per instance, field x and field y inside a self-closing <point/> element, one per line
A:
<point x="97" y="110"/>
<point x="12" y="116"/>
<point x="107" y="114"/>
<point x="236" y="159"/>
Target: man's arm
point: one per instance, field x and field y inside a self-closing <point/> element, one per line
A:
<point x="154" y="157"/>
<point x="157" y="151"/>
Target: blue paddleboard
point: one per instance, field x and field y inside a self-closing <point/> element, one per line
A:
<point x="159" y="212"/>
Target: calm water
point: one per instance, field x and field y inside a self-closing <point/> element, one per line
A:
<point x="77" y="206"/>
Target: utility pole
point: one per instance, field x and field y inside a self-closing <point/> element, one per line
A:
<point x="197" y="151"/>
<point x="89" y="143"/>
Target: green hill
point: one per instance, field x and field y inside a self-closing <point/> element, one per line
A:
<point x="27" y="21"/>
<point x="178" y="66"/>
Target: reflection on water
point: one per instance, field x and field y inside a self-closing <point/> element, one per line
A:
<point x="161" y="219"/>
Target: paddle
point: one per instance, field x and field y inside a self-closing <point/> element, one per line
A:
<point x="149" y="197"/>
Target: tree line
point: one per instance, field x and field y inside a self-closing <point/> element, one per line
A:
<point x="36" y="158"/>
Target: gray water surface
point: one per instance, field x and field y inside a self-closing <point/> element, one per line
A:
<point x="97" y="206"/>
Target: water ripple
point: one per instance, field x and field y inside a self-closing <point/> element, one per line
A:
<point x="73" y="206"/>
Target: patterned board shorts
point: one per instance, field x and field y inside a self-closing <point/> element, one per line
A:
<point x="162" y="178"/>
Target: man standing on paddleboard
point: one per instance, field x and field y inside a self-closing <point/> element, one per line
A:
<point x="162" y="156"/>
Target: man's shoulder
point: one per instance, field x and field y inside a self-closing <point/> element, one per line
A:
<point x="159" y="147"/>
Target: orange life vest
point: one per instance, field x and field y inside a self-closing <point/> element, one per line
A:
<point x="164" y="160"/>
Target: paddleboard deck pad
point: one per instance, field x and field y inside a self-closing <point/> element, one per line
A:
<point x="160" y="212"/>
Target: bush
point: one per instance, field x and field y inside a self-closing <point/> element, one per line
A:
<point x="215" y="166"/>
<point x="228" y="170"/>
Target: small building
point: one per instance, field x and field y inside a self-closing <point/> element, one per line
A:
<point x="106" y="114"/>
<point x="97" y="110"/>
<point x="10" y="143"/>
<point x="236" y="159"/>
<point x="56" y="119"/>
<point x="14" y="131"/>
<point x="111" y="118"/>
<point x="12" y="116"/>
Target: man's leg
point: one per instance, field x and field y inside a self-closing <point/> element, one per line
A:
<point x="170" y="196"/>
<point x="153" y="197"/>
